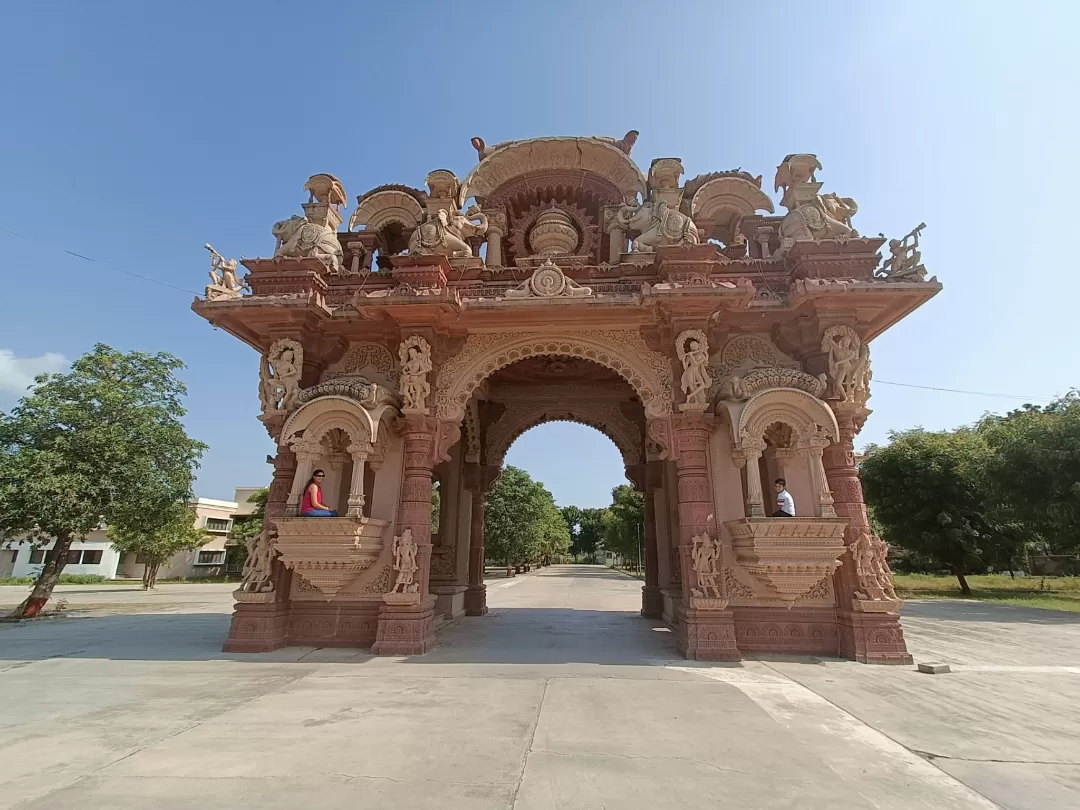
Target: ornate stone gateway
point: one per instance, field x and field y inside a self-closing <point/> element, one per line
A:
<point x="720" y="348"/>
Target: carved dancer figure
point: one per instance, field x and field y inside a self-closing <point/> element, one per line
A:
<point x="415" y="356"/>
<point x="882" y="570"/>
<point x="905" y="262"/>
<point x="223" y="280"/>
<point x="849" y="363"/>
<point x="257" y="566"/>
<point x="693" y="351"/>
<point x="704" y="556"/>
<point x="279" y="376"/>
<point x="404" y="550"/>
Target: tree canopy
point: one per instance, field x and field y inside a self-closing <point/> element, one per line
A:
<point x="623" y="522"/>
<point x="156" y="546"/>
<point x="521" y="521"/>
<point x="102" y="444"/>
<point x="976" y="497"/>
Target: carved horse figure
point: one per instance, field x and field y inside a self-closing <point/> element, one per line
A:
<point x="659" y="226"/>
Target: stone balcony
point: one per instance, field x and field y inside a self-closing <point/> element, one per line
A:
<point x="789" y="555"/>
<point x="330" y="552"/>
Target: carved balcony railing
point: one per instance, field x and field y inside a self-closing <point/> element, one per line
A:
<point x="789" y="555"/>
<point x="330" y="552"/>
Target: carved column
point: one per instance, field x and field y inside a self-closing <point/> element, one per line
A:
<point x="749" y="454"/>
<point x="478" y="480"/>
<point x="260" y="620"/>
<point x="306" y="457"/>
<point x="814" y="449"/>
<point x="703" y="635"/>
<point x="495" y="233"/>
<point x="652" y="601"/>
<point x="410" y="629"/>
<point x="871" y="638"/>
<point x="359" y="453"/>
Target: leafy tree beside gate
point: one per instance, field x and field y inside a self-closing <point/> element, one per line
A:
<point x="102" y="444"/>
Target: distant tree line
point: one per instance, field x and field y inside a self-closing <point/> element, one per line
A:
<point x="618" y="528"/>
<point x="981" y="497"/>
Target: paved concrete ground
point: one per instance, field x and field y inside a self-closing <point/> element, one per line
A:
<point x="562" y="698"/>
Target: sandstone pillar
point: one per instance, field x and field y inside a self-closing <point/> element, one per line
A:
<point x="359" y="453"/>
<point x="478" y="480"/>
<point x="260" y="620"/>
<point x="410" y="629"/>
<point x="871" y="638"/>
<point x="703" y="634"/>
<point x="648" y="478"/>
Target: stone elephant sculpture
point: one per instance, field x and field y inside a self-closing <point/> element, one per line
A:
<point x="828" y="217"/>
<point x="659" y="226"/>
<point x="438" y="236"/>
<point x="298" y="237"/>
<point x="461" y="223"/>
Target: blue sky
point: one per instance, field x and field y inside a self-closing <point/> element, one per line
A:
<point x="136" y="132"/>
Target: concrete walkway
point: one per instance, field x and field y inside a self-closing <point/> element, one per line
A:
<point x="562" y="698"/>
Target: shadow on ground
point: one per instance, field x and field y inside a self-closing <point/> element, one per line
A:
<point x="506" y="635"/>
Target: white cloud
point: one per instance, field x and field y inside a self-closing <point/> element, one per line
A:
<point x="17" y="373"/>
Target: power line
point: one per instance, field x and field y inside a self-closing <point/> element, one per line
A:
<point x="92" y="260"/>
<point x="961" y="391"/>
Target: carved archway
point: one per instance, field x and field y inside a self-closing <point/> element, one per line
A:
<point x="804" y="413"/>
<point x="316" y="418"/>
<point x="624" y="352"/>
<point x="604" y="417"/>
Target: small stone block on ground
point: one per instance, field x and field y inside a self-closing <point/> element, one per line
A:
<point x="935" y="669"/>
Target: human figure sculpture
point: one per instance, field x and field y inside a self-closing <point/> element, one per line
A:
<point x="298" y="237"/>
<point x="279" y="376"/>
<point x="659" y="226"/>
<point x="849" y="363"/>
<point x="223" y="280"/>
<point x="882" y="570"/>
<point x="704" y="555"/>
<point x="904" y="263"/>
<point x="415" y="356"/>
<point x="863" y="553"/>
<point x="257" y="566"/>
<point x="693" y="351"/>
<point x="404" y="550"/>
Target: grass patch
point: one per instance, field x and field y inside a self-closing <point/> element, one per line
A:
<point x="1050" y="593"/>
<point x="65" y="579"/>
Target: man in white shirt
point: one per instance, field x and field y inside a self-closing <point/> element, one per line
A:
<point x="785" y="504"/>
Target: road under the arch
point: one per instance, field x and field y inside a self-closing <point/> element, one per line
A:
<point x="563" y="697"/>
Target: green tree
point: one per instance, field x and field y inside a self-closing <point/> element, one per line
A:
<point x="555" y="534"/>
<point x="927" y="491"/>
<point x="1033" y="474"/>
<point x="436" y="506"/>
<point x="102" y="444"/>
<point x="623" y="525"/>
<point x="159" y="544"/>
<point x="586" y="529"/>
<point x="521" y="521"/>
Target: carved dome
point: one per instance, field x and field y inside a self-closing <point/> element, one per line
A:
<point x="556" y="155"/>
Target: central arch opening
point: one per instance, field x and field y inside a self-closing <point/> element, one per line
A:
<point x="562" y="534"/>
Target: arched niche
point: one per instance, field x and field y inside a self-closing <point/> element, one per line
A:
<point x="780" y="433"/>
<point x="561" y="154"/>
<point x="624" y="352"/>
<point x="725" y="200"/>
<point x="338" y="435"/>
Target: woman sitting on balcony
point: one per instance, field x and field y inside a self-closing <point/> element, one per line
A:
<point x="313" y="505"/>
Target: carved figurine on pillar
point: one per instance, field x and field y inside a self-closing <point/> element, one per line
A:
<point x="869" y="630"/>
<point x="409" y="629"/>
<point x="415" y="356"/>
<point x="707" y="632"/>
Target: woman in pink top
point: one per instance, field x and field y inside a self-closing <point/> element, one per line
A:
<point x="313" y="505"/>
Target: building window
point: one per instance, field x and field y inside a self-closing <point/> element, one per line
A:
<point x="37" y="556"/>
<point x="217" y="524"/>
<point x="74" y="556"/>
<point x="210" y="557"/>
<point x="91" y="557"/>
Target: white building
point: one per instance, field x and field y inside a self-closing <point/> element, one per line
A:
<point x="95" y="554"/>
